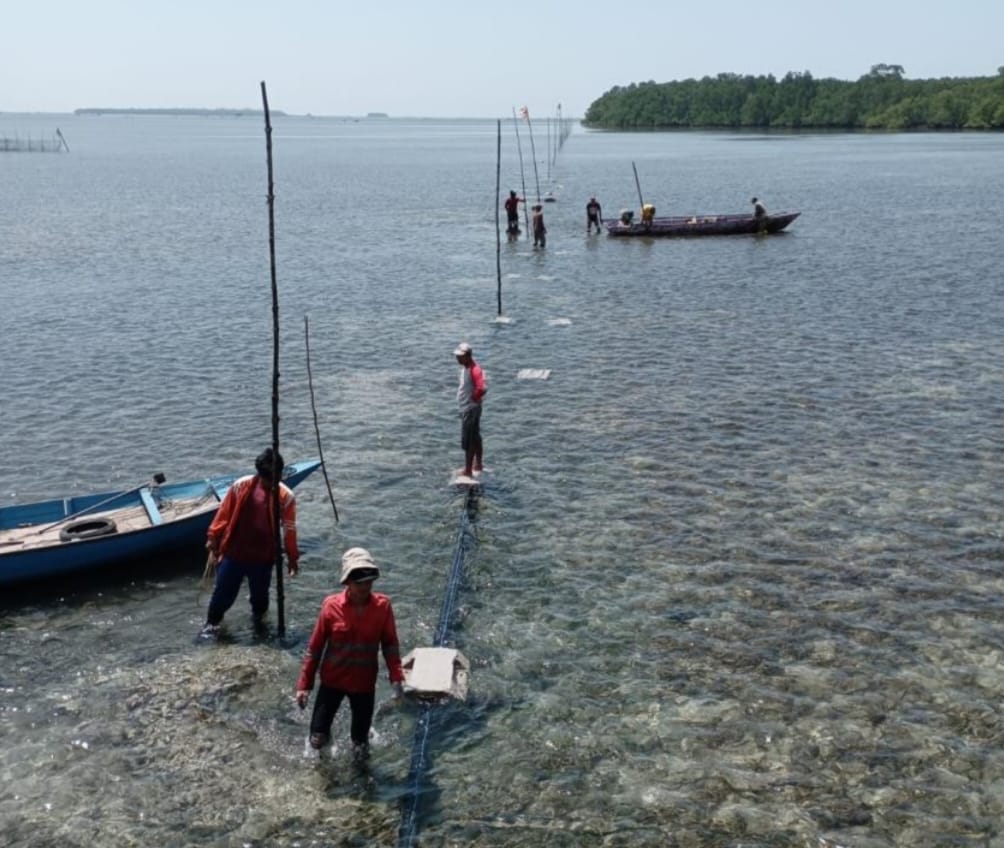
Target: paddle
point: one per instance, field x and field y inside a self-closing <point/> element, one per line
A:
<point x="158" y="478"/>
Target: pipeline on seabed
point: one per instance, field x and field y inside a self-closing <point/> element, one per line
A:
<point x="419" y="765"/>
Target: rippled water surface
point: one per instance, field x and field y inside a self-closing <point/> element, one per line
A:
<point x="737" y="579"/>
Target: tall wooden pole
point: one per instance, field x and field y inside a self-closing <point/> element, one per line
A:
<point x="498" y="200"/>
<point x="533" y="151"/>
<point x="280" y="597"/>
<point x="637" y="183"/>
<point x="549" y="149"/>
<point x="522" y="173"/>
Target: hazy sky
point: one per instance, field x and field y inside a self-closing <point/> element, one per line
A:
<point x="453" y="58"/>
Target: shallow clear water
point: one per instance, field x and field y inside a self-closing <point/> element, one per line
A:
<point x="737" y="579"/>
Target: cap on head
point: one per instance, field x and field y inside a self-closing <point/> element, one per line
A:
<point x="358" y="566"/>
<point x="462" y="349"/>
<point x="512" y="194"/>
<point x="263" y="463"/>
<point x="753" y="200"/>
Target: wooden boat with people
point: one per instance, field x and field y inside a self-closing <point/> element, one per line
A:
<point x="76" y="535"/>
<point x="698" y="225"/>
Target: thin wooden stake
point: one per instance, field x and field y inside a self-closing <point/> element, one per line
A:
<point x="280" y="597"/>
<point x="498" y="200"/>
<point x="313" y="408"/>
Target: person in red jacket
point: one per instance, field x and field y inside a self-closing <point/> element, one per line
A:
<point x="353" y="626"/>
<point x="512" y="215"/>
<point x="241" y="541"/>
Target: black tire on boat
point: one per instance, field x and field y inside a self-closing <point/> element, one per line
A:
<point x="87" y="528"/>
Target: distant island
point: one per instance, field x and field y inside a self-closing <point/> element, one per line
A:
<point x="377" y="115"/>
<point x="883" y="99"/>
<point x="214" y="113"/>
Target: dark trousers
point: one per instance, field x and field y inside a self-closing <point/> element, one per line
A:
<point x="327" y="703"/>
<point x="230" y="575"/>
<point x="470" y="428"/>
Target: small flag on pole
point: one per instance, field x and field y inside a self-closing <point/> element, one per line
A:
<point x="525" y="113"/>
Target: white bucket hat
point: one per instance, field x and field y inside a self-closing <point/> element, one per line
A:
<point x="358" y="560"/>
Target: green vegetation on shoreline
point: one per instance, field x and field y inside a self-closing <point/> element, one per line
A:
<point x="883" y="99"/>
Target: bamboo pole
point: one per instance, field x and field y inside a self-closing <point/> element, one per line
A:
<point x="533" y="150"/>
<point x="313" y="408"/>
<point x="637" y="183"/>
<point x="498" y="200"/>
<point x="548" y="149"/>
<point x="522" y="173"/>
<point x="280" y="596"/>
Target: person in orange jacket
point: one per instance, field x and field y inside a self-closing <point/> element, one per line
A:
<point x="352" y="627"/>
<point x="241" y="541"/>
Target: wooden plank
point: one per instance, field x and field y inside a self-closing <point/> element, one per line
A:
<point x="150" y="506"/>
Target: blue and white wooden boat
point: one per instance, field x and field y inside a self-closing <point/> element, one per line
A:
<point x="80" y="534"/>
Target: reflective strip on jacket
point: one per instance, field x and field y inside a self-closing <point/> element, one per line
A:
<point x="345" y="643"/>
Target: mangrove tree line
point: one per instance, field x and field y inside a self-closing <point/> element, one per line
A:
<point x="881" y="99"/>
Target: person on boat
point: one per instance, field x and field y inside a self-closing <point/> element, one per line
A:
<point x="760" y="213"/>
<point x="352" y="626"/>
<point x="594" y="215"/>
<point x="512" y="215"/>
<point x="470" y="392"/>
<point x="647" y="214"/>
<point x="241" y="541"/>
<point x="539" y="230"/>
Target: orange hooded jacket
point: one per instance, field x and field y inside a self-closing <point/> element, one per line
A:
<point x="222" y="527"/>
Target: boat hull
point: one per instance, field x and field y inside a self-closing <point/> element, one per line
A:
<point x="149" y="522"/>
<point x="702" y="225"/>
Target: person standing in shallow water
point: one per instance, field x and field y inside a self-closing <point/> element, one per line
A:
<point x="241" y="541"/>
<point x="512" y="215"/>
<point x="539" y="230"/>
<point x="594" y="215"/>
<point x="352" y="627"/>
<point x="470" y="393"/>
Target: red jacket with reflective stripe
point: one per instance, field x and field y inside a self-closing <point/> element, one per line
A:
<point x="345" y="643"/>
